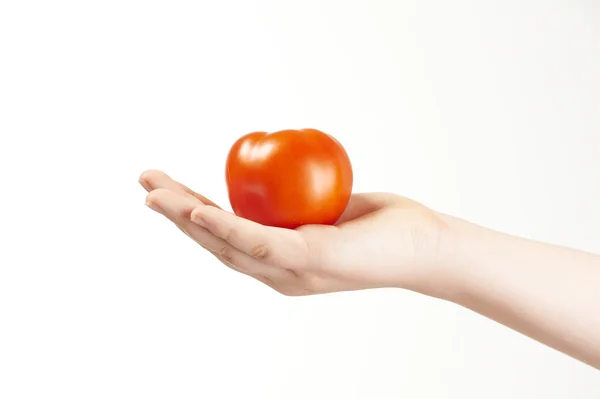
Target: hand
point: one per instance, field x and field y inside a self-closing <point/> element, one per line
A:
<point x="381" y="240"/>
<point x="546" y="292"/>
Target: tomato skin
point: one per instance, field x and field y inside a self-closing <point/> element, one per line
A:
<point x="289" y="178"/>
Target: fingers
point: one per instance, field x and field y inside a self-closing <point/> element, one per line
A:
<point x="283" y="248"/>
<point x="154" y="179"/>
<point x="178" y="208"/>
<point x="364" y="203"/>
<point x="268" y="254"/>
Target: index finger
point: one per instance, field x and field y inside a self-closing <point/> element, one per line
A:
<point x="153" y="179"/>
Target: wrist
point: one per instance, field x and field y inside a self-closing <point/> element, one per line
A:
<point x="459" y="249"/>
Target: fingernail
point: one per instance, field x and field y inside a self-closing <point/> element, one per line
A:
<point x="154" y="207"/>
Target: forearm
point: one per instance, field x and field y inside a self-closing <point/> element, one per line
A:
<point x="547" y="292"/>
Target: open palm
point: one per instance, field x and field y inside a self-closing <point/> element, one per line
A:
<point x="381" y="240"/>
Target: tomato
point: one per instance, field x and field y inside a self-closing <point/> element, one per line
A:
<point x="289" y="178"/>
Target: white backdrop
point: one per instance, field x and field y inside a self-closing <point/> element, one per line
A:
<point x="485" y="110"/>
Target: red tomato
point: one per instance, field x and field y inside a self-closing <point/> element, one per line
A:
<point x="289" y="178"/>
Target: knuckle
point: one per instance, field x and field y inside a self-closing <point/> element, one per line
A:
<point x="226" y="254"/>
<point x="261" y="252"/>
<point x="295" y="274"/>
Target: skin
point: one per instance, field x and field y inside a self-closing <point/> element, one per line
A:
<point x="547" y="292"/>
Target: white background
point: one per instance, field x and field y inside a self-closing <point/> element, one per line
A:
<point x="485" y="110"/>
